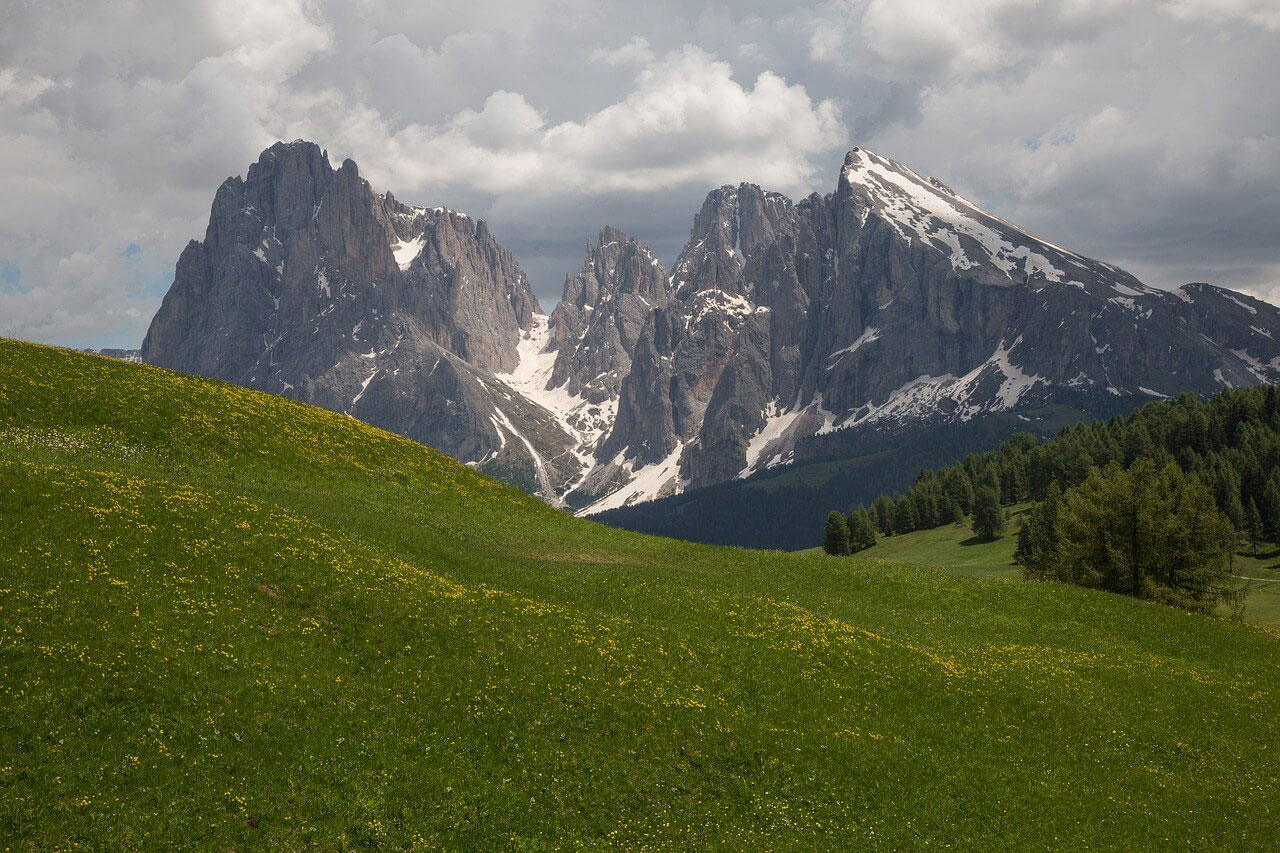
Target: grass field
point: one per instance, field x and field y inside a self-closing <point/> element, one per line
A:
<point x="954" y="548"/>
<point x="231" y="621"/>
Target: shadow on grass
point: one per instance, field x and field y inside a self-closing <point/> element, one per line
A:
<point x="1263" y="554"/>
<point x="978" y="540"/>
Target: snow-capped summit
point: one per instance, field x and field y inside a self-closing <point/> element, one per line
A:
<point x="975" y="242"/>
<point x="894" y="300"/>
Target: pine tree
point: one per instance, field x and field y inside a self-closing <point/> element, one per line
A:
<point x="869" y="537"/>
<point x="1044" y="538"/>
<point x="959" y="489"/>
<point x="1270" y="508"/>
<point x="948" y="512"/>
<point x="1235" y="510"/>
<point x="1139" y="445"/>
<point x="1017" y="490"/>
<point x="1148" y="532"/>
<point x="884" y="515"/>
<point x="988" y="517"/>
<point x="905" y="518"/>
<point x="989" y="479"/>
<point x="862" y="533"/>
<point x="1253" y="525"/>
<point x="1252" y="481"/>
<point x="925" y="509"/>
<point x="1024" y="551"/>
<point x="1195" y="430"/>
<point x="1225" y="483"/>
<point x="836" y="540"/>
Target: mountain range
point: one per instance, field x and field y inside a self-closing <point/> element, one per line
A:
<point x="783" y="328"/>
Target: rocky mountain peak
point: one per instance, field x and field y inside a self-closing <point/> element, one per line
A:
<point x="783" y="329"/>
<point x="311" y="285"/>
<point x="713" y="257"/>
<point x="894" y="300"/>
<point x="924" y="212"/>
<point x="734" y="226"/>
<point x="595" y="326"/>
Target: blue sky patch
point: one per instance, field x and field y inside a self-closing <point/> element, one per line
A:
<point x="10" y="277"/>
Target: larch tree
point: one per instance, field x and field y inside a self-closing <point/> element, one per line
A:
<point x="988" y="516"/>
<point x="836" y="539"/>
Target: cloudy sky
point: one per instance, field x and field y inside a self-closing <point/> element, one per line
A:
<point x="1143" y="132"/>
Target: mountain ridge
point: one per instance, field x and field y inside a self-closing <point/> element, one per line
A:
<point x="891" y="300"/>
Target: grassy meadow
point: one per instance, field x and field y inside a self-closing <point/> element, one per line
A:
<point x="228" y="621"/>
<point x="954" y="548"/>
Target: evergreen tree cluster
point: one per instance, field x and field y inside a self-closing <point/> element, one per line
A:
<point x="849" y="534"/>
<point x="1149" y="532"/>
<point x="1178" y="478"/>
<point x="978" y="485"/>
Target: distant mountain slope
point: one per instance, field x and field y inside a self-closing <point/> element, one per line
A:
<point x="776" y="507"/>
<point x="891" y="302"/>
<point x="320" y="634"/>
<point x="125" y="354"/>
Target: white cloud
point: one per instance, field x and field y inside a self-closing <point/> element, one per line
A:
<point x="19" y="88"/>
<point x="1264" y="13"/>
<point x="84" y="293"/>
<point x="1142" y="131"/>
<point x="113" y="156"/>
<point x="685" y="121"/>
<point x="959" y="38"/>
<point x="267" y="40"/>
<point x="634" y="52"/>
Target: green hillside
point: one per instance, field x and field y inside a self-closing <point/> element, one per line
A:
<point x="955" y="548"/>
<point x="230" y="621"/>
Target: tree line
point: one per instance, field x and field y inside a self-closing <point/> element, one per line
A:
<point x="1152" y="504"/>
<point x="775" y="508"/>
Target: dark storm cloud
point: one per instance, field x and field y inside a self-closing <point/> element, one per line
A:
<point x="1146" y="133"/>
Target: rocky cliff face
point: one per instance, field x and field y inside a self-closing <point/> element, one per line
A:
<point x="731" y="339"/>
<point x="891" y="300"/>
<point x="596" y="324"/>
<point x="310" y="285"/>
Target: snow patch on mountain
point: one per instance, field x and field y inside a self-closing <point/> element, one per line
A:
<point x="926" y="396"/>
<point x="919" y="209"/>
<point x="1243" y="305"/>
<point x="1262" y="371"/>
<point x="406" y="251"/>
<point x="871" y="333"/>
<point x="582" y="419"/>
<point x="727" y="304"/>
<point x="545" y="486"/>
<point x="644" y="483"/>
<point x="1016" y="381"/>
<point x="776" y="424"/>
